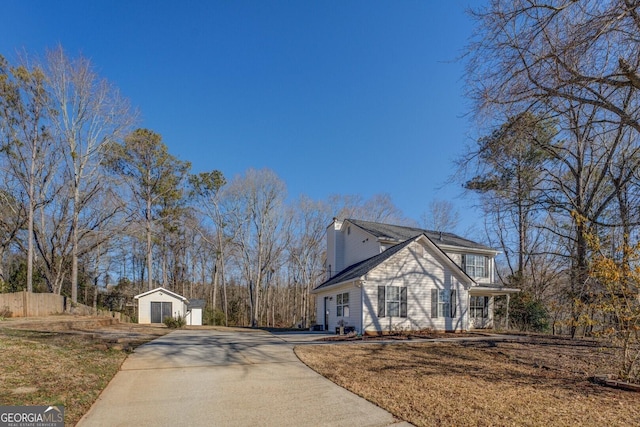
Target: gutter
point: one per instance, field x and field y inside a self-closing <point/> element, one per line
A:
<point x="360" y="284"/>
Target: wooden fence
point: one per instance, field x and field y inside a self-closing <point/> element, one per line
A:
<point x="28" y="304"/>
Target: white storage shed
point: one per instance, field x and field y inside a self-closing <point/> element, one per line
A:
<point x="156" y="304"/>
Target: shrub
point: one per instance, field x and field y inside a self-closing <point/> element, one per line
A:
<point x="175" y="322"/>
<point x="213" y="317"/>
<point x="528" y="314"/>
<point x="5" y="313"/>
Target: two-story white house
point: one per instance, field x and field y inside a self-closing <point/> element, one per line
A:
<point x="384" y="278"/>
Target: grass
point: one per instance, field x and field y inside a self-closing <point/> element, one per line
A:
<point x="55" y="368"/>
<point x="539" y="381"/>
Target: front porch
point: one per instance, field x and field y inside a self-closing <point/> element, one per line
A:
<point x="481" y="305"/>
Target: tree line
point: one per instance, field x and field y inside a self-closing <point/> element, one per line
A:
<point x="98" y="210"/>
<point x="556" y="86"/>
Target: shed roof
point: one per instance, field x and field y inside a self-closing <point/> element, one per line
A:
<point x="196" y="303"/>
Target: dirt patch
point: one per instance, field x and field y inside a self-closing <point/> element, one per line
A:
<point x="22" y="390"/>
<point x="537" y="381"/>
<point x="101" y="331"/>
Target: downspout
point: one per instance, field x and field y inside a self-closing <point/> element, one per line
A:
<point x="360" y="284"/>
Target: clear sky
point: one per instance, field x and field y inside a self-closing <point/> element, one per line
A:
<point x="348" y="97"/>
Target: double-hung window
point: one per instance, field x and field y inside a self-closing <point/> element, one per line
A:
<point x="392" y="301"/>
<point x="479" y="307"/>
<point x="443" y="303"/>
<point x="476" y="265"/>
<point x="342" y="308"/>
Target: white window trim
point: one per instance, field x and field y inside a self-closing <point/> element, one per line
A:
<point x="483" y="307"/>
<point x="480" y="266"/>
<point x="342" y="306"/>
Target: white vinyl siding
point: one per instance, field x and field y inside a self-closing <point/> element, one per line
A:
<point x="351" y="316"/>
<point x="178" y="306"/>
<point x="419" y="271"/>
<point x="335" y="250"/>
<point x="358" y="245"/>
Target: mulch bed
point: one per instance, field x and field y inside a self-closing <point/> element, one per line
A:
<point x="403" y="336"/>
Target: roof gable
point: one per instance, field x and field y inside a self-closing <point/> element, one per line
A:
<point x="161" y="289"/>
<point x="360" y="269"/>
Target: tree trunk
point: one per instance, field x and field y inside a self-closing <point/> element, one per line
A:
<point x="579" y="276"/>
<point x="74" y="242"/>
<point x="30" y="220"/>
<point x="149" y="258"/>
<point x="215" y="284"/>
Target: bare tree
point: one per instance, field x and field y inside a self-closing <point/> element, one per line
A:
<point x="379" y="208"/>
<point x="207" y="187"/>
<point x="528" y="52"/>
<point x="306" y="250"/>
<point x="27" y="143"/>
<point x="90" y="113"/>
<point x="12" y="220"/>
<point x="441" y="216"/>
<point x="576" y="63"/>
<point x="257" y="201"/>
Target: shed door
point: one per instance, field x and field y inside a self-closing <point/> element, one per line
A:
<point x="160" y="310"/>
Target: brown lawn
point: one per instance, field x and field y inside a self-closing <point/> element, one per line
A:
<point x="536" y="382"/>
<point x="63" y="368"/>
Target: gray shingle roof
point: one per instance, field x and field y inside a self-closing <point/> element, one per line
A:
<point x="196" y="303"/>
<point x="401" y="233"/>
<point x="363" y="267"/>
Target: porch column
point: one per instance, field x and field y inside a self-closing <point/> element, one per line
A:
<point x="507" y="316"/>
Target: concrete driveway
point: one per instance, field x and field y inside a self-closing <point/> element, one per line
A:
<point x="224" y="378"/>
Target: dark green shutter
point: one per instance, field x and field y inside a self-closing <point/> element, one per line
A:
<point x="453" y="303"/>
<point x="434" y="303"/>
<point x="464" y="262"/>
<point x="485" y="309"/>
<point x="381" y="301"/>
<point x="486" y="266"/>
<point x="403" y="302"/>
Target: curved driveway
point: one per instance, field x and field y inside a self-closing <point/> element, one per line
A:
<point x="226" y="378"/>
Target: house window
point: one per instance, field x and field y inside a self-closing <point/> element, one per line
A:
<point x="392" y="301"/>
<point x="342" y="309"/>
<point x="479" y="307"/>
<point x="443" y="303"/>
<point x="476" y="265"/>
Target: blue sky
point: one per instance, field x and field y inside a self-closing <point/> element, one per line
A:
<point x="355" y="97"/>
